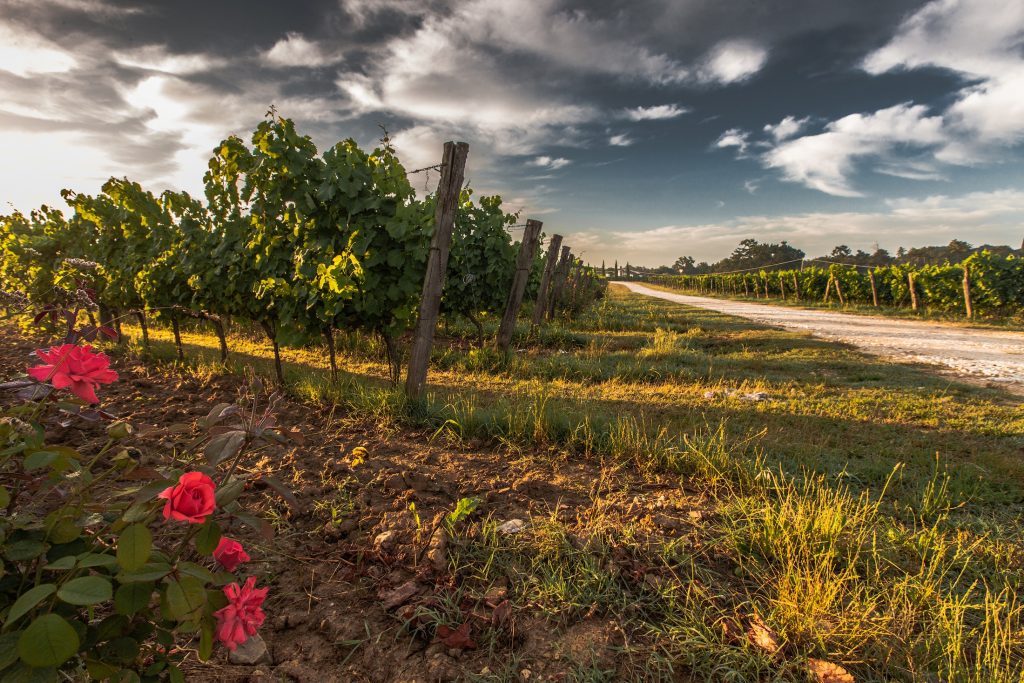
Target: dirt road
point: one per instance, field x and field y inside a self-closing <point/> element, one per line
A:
<point x="980" y="354"/>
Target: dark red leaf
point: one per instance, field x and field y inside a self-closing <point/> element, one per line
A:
<point x="458" y="638"/>
<point x="502" y="613"/>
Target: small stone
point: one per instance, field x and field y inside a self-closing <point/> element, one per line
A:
<point x="419" y="482"/>
<point x="512" y="526"/>
<point x="437" y="553"/>
<point x="252" y="651"/>
<point x="294" y="671"/>
<point x="385" y="541"/>
<point x="259" y="675"/>
<point x="400" y="595"/>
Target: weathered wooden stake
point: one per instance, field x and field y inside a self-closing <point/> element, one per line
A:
<point x="782" y="286"/>
<point x="828" y="288"/>
<point x="839" y="293"/>
<point x="746" y="288"/>
<point x="796" y="287"/>
<point x="967" y="292"/>
<point x="913" y="292"/>
<point x="453" y="168"/>
<point x="524" y="262"/>
<point x="561" y="271"/>
<point x="874" y="289"/>
<point x="176" y="327"/>
<point x="550" y="262"/>
<point x="141" y="316"/>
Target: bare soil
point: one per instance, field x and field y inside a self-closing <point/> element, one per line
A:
<point x="334" y="613"/>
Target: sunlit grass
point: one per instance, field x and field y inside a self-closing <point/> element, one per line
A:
<point x="869" y="513"/>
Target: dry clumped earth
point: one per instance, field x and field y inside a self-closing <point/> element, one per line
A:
<point x="351" y="597"/>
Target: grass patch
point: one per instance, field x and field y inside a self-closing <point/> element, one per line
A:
<point x="868" y="513"/>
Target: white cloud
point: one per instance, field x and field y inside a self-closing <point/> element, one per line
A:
<point x="552" y="163"/>
<point x="732" y="61"/>
<point x="620" y="140"/>
<point x="156" y="58"/>
<point x="24" y="53"/>
<point x="734" y="137"/>
<point x="786" y="128"/>
<point x="825" y="161"/>
<point x="656" y="113"/>
<point x="980" y="39"/>
<point x="295" y="50"/>
<point x="751" y="186"/>
<point x="991" y="217"/>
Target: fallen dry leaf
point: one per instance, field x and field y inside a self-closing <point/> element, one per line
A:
<point x="502" y="613"/>
<point x="827" y="672"/>
<point x="763" y="637"/>
<point x="495" y="596"/>
<point x="400" y="595"/>
<point x="455" y="638"/>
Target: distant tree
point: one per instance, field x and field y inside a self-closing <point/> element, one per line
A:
<point x="842" y="251"/>
<point x="753" y="254"/>
<point x="684" y="265"/>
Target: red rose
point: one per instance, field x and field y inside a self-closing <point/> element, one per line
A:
<point x="230" y="553"/>
<point x="243" y="615"/>
<point x="191" y="499"/>
<point x="75" y="368"/>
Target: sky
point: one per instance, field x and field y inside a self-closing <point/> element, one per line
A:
<point x="641" y="130"/>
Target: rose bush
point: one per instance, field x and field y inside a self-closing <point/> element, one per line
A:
<point x="108" y="569"/>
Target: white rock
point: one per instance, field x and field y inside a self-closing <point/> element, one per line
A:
<point x="252" y="651"/>
<point x="512" y="526"/>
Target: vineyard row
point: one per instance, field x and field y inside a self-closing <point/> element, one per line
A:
<point x="984" y="284"/>
<point x="299" y="243"/>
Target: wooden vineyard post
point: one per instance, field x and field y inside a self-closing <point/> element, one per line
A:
<point x="176" y="328"/>
<point x="550" y="261"/>
<point x="561" y="272"/>
<point x="515" y="296"/>
<point x="765" y="288"/>
<point x="453" y="168"/>
<point x="913" y="292"/>
<point x="746" y="289"/>
<point x="839" y="293"/>
<point x="828" y="288"/>
<point x="782" y="286"/>
<point x="874" y="289"/>
<point x="796" y="287"/>
<point x="967" y="292"/>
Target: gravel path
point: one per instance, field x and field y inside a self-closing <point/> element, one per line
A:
<point x="989" y="355"/>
